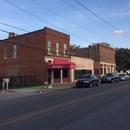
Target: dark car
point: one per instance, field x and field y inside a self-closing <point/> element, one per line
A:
<point x="88" y="80"/>
<point x="110" y="77"/>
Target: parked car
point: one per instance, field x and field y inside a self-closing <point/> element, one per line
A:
<point x="88" y="80"/>
<point x="124" y="77"/>
<point x="110" y="77"/>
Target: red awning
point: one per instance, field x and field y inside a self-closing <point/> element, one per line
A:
<point x="60" y="61"/>
<point x="61" y="66"/>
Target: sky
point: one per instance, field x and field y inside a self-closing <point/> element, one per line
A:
<point x="86" y="21"/>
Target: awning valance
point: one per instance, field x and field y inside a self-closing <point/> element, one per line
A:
<point x="61" y="66"/>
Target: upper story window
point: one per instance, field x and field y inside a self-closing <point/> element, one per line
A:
<point x="57" y="48"/>
<point x="5" y="52"/>
<point x="49" y="47"/>
<point x="65" y="49"/>
<point x="14" y="51"/>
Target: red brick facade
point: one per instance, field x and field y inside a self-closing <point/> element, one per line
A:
<point x="32" y="48"/>
<point x="103" y="56"/>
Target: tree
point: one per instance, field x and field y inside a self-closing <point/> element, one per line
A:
<point x="73" y="46"/>
<point x="123" y="59"/>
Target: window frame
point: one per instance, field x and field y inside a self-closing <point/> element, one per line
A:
<point x="57" y="48"/>
<point x="65" y="49"/>
<point x="49" y="49"/>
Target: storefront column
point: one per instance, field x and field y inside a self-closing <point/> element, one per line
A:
<point x="61" y="75"/>
<point x="71" y="75"/>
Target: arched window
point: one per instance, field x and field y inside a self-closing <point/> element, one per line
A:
<point x="49" y="47"/>
<point x="57" y="48"/>
<point x="65" y="49"/>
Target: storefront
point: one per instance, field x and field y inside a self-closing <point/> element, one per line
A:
<point x="107" y="68"/>
<point x="60" y="71"/>
<point x="83" y="66"/>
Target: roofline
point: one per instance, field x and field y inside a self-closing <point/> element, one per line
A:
<point x="33" y="32"/>
<point x="56" y="31"/>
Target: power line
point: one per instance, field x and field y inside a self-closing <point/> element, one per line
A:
<point x="4" y="31"/>
<point x="96" y="15"/>
<point x="13" y="27"/>
<point x="86" y="29"/>
<point x="43" y="50"/>
<point x="44" y="20"/>
<point x="38" y="48"/>
<point x="87" y="16"/>
<point x="114" y="27"/>
<point x="26" y="37"/>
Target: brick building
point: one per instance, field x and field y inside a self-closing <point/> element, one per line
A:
<point x="103" y="56"/>
<point x="44" y="53"/>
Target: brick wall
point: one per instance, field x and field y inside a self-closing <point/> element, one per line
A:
<point x="31" y="50"/>
<point x="107" y="54"/>
<point x="59" y="37"/>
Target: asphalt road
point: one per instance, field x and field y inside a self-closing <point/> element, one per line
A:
<point x="99" y="108"/>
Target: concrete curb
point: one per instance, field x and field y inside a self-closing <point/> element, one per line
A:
<point x="40" y="88"/>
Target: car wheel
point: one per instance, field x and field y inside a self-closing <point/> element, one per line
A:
<point x="112" y="81"/>
<point x="97" y="83"/>
<point x="117" y="80"/>
<point x="90" y="85"/>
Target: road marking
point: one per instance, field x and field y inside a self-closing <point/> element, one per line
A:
<point x="44" y="110"/>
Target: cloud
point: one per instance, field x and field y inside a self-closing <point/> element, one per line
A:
<point x="119" y="32"/>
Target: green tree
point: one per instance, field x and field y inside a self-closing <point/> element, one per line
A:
<point x="123" y="59"/>
<point x="74" y="46"/>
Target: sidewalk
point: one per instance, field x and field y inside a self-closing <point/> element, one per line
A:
<point x="22" y="92"/>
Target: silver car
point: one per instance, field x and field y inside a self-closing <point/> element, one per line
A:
<point x="124" y="77"/>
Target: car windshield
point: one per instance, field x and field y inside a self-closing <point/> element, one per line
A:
<point x="86" y="76"/>
<point x="108" y="74"/>
<point x="122" y="75"/>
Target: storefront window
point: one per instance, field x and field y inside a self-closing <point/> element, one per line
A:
<point x="101" y="69"/>
<point x="80" y="73"/>
<point x="96" y="71"/>
<point x="65" y="73"/>
<point x="104" y="69"/>
<point x="57" y="73"/>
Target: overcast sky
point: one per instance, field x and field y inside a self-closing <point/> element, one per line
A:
<point x="86" y="21"/>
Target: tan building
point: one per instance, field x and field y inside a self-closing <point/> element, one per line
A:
<point x="83" y="66"/>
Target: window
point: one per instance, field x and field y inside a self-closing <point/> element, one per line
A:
<point x="104" y="69"/>
<point x="101" y="69"/>
<point x="14" y="51"/>
<point x="65" y="73"/>
<point x="57" y="73"/>
<point x="65" y="49"/>
<point x="5" y="52"/>
<point x="49" y="47"/>
<point x="57" y="48"/>
<point x="96" y="71"/>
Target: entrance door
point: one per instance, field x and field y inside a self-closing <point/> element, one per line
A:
<point x="49" y="76"/>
